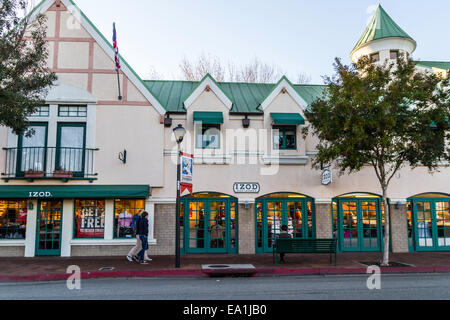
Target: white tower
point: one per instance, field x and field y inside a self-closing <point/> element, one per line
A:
<point x="383" y="39"/>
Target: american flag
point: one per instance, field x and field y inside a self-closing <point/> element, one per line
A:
<point x="116" y="48"/>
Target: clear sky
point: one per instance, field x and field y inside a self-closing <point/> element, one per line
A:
<point x="298" y="35"/>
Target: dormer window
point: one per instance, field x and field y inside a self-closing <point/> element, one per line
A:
<point x="394" y="54"/>
<point x="375" y="57"/>
<point x="208" y="129"/>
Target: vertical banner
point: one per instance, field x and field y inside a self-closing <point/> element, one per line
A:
<point x="187" y="166"/>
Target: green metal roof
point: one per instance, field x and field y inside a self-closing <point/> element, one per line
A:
<point x="381" y="26"/>
<point x="246" y="97"/>
<point x="434" y="64"/>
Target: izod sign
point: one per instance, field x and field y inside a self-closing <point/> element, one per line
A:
<point x="39" y="194"/>
<point x="246" y="187"/>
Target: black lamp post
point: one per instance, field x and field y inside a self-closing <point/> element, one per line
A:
<point x="179" y="133"/>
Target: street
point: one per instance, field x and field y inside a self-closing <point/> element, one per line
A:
<point x="346" y="287"/>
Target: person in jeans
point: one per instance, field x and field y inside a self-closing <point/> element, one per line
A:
<point x="138" y="246"/>
<point x="143" y="236"/>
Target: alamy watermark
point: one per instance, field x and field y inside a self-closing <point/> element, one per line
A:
<point x="374" y="280"/>
<point x="74" y="280"/>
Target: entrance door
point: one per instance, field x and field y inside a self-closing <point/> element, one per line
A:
<point x="210" y="226"/>
<point x="274" y="212"/>
<point x="48" y="237"/>
<point x="432" y="224"/>
<point x="360" y="227"/>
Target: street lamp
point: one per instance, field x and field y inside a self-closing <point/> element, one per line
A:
<point x="179" y="133"/>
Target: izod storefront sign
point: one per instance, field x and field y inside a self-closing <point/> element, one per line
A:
<point x="81" y="191"/>
<point x="40" y="194"/>
<point x="246" y="187"/>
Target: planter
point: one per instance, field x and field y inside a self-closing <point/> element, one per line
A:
<point x="34" y="174"/>
<point x="63" y="174"/>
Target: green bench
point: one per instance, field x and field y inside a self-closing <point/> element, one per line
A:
<point x="304" y="246"/>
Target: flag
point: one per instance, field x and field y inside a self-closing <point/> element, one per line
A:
<point x="116" y="48"/>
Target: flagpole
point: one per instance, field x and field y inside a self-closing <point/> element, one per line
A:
<point x="116" y="53"/>
<point x="118" y="84"/>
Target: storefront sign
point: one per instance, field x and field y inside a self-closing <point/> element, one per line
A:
<point x="187" y="166"/>
<point x="91" y="223"/>
<point x="246" y="187"/>
<point x="327" y="177"/>
<point x="37" y="194"/>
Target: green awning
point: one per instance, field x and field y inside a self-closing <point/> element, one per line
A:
<point x="87" y="191"/>
<point x="208" y="117"/>
<point x="287" y="118"/>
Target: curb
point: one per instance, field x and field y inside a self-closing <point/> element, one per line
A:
<point x="200" y="273"/>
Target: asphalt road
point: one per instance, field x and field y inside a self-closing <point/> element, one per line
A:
<point x="348" y="287"/>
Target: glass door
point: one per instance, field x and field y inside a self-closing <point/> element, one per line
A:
<point x="210" y="226"/>
<point x="273" y="213"/>
<point x="48" y="237"/>
<point x="31" y="154"/>
<point x="360" y="228"/>
<point x="350" y="229"/>
<point x="432" y="224"/>
<point x="70" y="154"/>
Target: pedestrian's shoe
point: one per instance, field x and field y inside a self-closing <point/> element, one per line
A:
<point x="135" y="258"/>
<point x="143" y="262"/>
<point x="148" y="259"/>
<point x="129" y="258"/>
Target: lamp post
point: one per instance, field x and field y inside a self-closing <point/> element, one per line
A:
<point x="179" y="133"/>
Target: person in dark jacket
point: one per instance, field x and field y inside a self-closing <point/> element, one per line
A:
<point x="284" y="235"/>
<point x="143" y="236"/>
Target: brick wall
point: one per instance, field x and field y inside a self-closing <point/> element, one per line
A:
<point x="246" y="230"/>
<point x="323" y="221"/>
<point x="399" y="230"/>
<point x="12" y="251"/>
<point x="100" y="250"/>
<point x="164" y="230"/>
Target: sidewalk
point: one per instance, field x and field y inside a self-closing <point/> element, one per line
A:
<point x="54" y="268"/>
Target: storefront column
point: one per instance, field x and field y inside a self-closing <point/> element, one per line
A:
<point x="30" y="233"/>
<point x="67" y="227"/>
<point x="150" y="208"/>
<point x="399" y="230"/>
<point x="246" y="229"/>
<point x="109" y="219"/>
<point x="324" y="221"/>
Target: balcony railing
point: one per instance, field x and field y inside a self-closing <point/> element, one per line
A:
<point x="49" y="163"/>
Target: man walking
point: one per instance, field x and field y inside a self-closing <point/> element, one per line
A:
<point x="143" y="236"/>
<point x="138" y="246"/>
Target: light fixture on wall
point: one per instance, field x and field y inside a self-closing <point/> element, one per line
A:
<point x="246" y="122"/>
<point x="398" y="205"/>
<point x="30" y="205"/>
<point x="123" y="156"/>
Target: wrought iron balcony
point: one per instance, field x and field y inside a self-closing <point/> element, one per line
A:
<point x="65" y="164"/>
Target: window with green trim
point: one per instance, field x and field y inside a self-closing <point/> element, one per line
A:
<point x="72" y="111"/>
<point x="89" y="218"/>
<point x="13" y="219"/>
<point x="124" y="210"/>
<point x="208" y="136"/>
<point x="285" y="137"/>
<point x="42" y="111"/>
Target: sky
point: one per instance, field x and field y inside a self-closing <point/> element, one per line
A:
<point x="297" y="35"/>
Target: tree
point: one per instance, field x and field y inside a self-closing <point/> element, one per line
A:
<point x="255" y="71"/>
<point x="24" y="75"/>
<point x="386" y="116"/>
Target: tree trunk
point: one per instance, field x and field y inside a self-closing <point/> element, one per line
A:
<point x="387" y="219"/>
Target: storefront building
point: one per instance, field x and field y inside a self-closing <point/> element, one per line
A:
<point x="95" y="161"/>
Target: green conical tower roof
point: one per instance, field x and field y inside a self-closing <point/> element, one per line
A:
<point x="381" y="26"/>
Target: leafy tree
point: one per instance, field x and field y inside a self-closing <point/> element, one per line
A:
<point x="24" y="75"/>
<point x="384" y="115"/>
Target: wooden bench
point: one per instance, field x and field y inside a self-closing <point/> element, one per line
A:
<point x="305" y="246"/>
